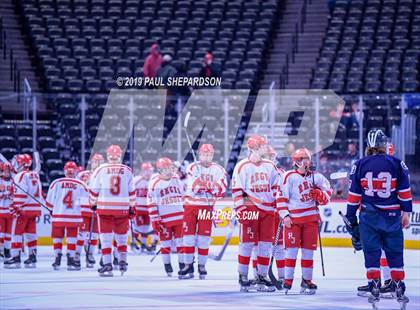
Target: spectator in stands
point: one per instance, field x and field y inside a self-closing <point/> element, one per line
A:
<point x="352" y="153"/>
<point x="153" y="61"/>
<point x="209" y="69"/>
<point x="285" y="161"/>
<point x="166" y="69"/>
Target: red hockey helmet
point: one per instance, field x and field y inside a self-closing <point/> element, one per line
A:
<point x="84" y="175"/>
<point x="255" y="142"/>
<point x="5" y="167"/>
<point x="23" y="160"/>
<point x="164" y="163"/>
<point x="97" y="157"/>
<point x="390" y="150"/>
<point x="114" y="152"/>
<point x="146" y="166"/>
<point x="206" y="148"/>
<point x="299" y="155"/>
<point x="70" y="169"/>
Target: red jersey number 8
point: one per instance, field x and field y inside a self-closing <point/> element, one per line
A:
<point x="115" y="187"/>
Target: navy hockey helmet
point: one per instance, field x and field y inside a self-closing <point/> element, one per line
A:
<point x="377" y="138"/>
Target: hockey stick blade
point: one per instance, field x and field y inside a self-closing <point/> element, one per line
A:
<point x="338" y="175"/>
<point x="187" y="118"/>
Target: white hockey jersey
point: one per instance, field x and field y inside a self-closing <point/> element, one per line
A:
<point x="64" y="199"/>
<point x="27" y="181"/>
<point x="111" y="189"/>
<point x="84" y="176"/>
<point x="6" y="196"/>
<point x="293" y="196"/>
<point x="256" y="183"/>
<point x="141" y="184"/>
<point x="165" y="200"/>
<point x="214" y="175"/>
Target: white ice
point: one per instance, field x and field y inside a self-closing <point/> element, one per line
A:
<point x="145" y="286"/>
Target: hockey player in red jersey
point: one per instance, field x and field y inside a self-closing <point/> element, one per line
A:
<point x="206" y="182"/>
<point x="297" y="201"/>
<point x="25" y="210"/>
<point x="165" y="203"/>
<point x="112" y="194"/>
<point x="254" y="183"/>
<point x="64" y="200"/>
<point x="142" y="219"/>
<point x="6" y="201"/>
<point x="87" y="213"/>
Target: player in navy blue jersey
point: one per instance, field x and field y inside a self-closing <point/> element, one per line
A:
<point x="380" y="188"/>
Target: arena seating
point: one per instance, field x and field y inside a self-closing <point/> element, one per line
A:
<point x="83" y="48"/>
<point x="371" y="47"/>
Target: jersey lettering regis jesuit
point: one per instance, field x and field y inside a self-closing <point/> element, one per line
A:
<point x="214" y="176"/>
<point x="165" y="200"/>
<point x="141" y="185"/>
<point x="381" y="181"/>
<point x="293" y="196"/>
<point x="6" y="196"/>
<point x="112" y="189"/>
<point x="64" y="199"/>
<point x="27" y="182"/>
<point x="255" y="182"/>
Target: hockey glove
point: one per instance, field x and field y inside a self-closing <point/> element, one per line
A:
<point x="319" y="196"/>
<point x="131" y="213"/>
<point x="354" y="231"/>
<point x="93" y="207"/>
<point x="157" y="225"/>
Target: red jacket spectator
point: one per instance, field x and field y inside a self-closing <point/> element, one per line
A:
<point x="152" y="62"/>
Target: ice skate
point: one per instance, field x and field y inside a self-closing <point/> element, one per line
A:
<point x="399" y="293"/>
<point x="387" y="289"/>
<point x="181" y="266"/>
<point x="123" y="267"/>
<point x="57" y="262"/>
<point x="244" y="283"/>
<point x="90" y="261"/>
<point x="287" y="285"/>
<point x="363" y="291"/>
<point x="115" y="261"/>
<point x="374" y="289"/>
<point x="202" y="272"/>
<point x="30" y="262"/>
<point x="106" y="271"/>
<point x="307" y="287"/>
<point x="187" y="272"/>
<point x="7" y="254"/>
<point x="264" y="284"/>
<point x="72" y="264"/>
<point x="168" y="269"/>
<point x="12" y="263"/>
<point x="76" y="261"/>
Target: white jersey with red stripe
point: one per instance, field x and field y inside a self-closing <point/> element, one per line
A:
<point x="293" y="196"/>
<point x="165" y="200"/>
<point x="84" y="199"/>
<point x="111" y="189"/>
<point x="197" y="174"/>
<point x="256" y="182"/>
<point x="27" y="182"/>
<point x="64" y="199"/>
<point x="141" y="184"/>
<point x="6" y="196"/>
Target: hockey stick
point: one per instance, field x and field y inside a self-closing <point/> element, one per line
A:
<point x="4" y="160"/>
<point x="319" y="231"/>
<point x="278" y="284"/>
<point x="338" y="175"/>
<point x="91" y="231"/>
<point x="187" y="118"/>
<point x="229" y="235"/>
<point x="155" y="255"/>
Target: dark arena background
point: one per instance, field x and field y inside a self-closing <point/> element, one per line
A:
<point x="79" y="75"/>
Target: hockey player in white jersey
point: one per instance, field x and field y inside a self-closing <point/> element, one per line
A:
<point x="6" y="201"/>
<point x="142" y="218"/>
<point x="297" y="204"/>
<point x="165" y="202"/>
<point x="254" y="183"/>
<point x="64" y="200"/>
<point x="87" y="214"/>
<point x="25" y="210"/>
<point x="206" y="182"/>
<point x="112" y="194"/>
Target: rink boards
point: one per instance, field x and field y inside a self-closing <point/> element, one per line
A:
<point x="333" y="230"/>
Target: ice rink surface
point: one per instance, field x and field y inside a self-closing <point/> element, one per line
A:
<point x="145" y="286"/>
